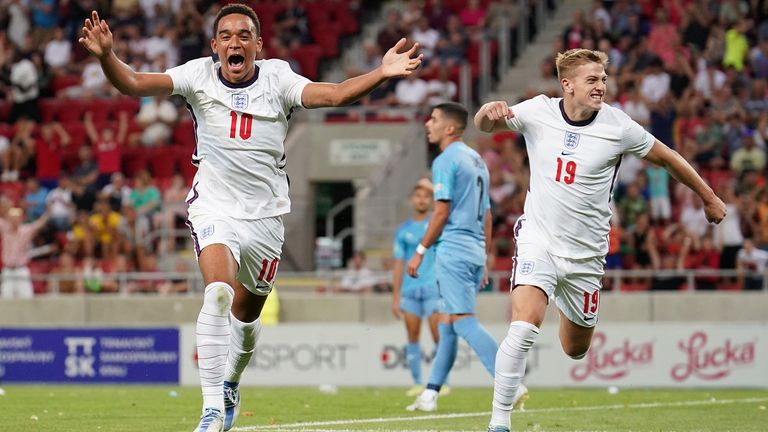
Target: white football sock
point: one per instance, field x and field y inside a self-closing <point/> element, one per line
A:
<point x="510" y="369"/>
<point x="213" y="342"/>
<point x="242" y="342"/>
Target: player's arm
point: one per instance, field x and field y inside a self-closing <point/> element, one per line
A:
<point x="434" y="229"/>
<point x="492" y="117"/>
<point x="397" y="281"/>
<point x="393" y="64"/>
<point x="683" y="172"/>
<point x="488" y="231"/>
<point x="97" y="39"/>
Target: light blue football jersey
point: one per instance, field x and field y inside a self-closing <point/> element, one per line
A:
<point x="460" y="176"/>
<point x="407" y="237"/>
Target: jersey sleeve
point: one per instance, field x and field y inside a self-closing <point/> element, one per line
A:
<point x="442" y="178"/>
<point x="398" y="249"/>
<point x="291" y="85"/>
<point x="183" y="77"/>
<point x="636" y="139"/>
<point x="521" y="113"/>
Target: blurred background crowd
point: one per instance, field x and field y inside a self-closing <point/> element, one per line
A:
<point x="95" y="174"/>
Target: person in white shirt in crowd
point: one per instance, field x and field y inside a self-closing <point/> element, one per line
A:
<point x="156" y="116"/>
<point x="751" y="262"/>
<point x="58" y="51"/>
<point x="411" y="91"/>
<point x="441" y="89"/>
<point x="60" y="206"/>
<point x="357" y="277"/>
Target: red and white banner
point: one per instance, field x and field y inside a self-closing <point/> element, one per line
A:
<point x="640" y="355"/>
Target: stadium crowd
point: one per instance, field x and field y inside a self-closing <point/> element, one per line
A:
<point x="107" y="171"/>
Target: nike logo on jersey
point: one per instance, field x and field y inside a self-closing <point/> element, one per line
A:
<point x="566" y="153"/>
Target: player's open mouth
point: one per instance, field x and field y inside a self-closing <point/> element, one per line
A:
<point x="597" y="97"/>
<point x="236" y="62"/>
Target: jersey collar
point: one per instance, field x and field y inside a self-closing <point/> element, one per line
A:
<point x="238" y="85"/>
<point x="584" y="122"/>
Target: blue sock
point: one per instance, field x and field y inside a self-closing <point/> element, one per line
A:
<point x="413" y="358"/>
<point x="479" y="339"/>
<point x="447" y="348"/>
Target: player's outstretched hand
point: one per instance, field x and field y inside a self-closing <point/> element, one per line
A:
<point x="396" y="64"/>
<point x="414" y="264"/>
<point x="96" y="38"/>
<point x="715" y="210"/>
<point x="396" y="308"/>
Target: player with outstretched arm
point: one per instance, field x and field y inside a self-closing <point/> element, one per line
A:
<point x="240" y="108"/>
<point x="575" y="145"/>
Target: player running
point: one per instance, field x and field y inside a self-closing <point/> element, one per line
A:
<point x="460" y="229"/>
<point x="575" y="145"/>
<point x="415" y="298"/>
<point x="240" y="109"/>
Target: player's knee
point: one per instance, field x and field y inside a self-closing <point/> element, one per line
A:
<point x="576" y="351"/>
<point x="219" y="295"/>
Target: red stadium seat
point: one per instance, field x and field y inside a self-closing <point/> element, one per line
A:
<point x="129" y="104"/>
<point x="99" y="109"/>
<point x="162" y="162"/>
<point x="184" y="133"/>
<point x="39" y="267"/>
<point x="71" y="110"/>
<point x="61" y="82"/>
<point x="49" y="109"/>
<point x="184" y="159"/>
<point x="308" y="57"/>
<point x="134" y="160"/>
<point x="5" y="111"/>
<point x="13" y="190"/>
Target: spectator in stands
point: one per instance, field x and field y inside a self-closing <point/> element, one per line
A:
<point x="291" y="25"/>
<point x="278" y="50"/>
<point x="658" y="187"/>
<point x="84" y="180"/>
<point x="174" y="207"/>
<point x="370" y="59"/>
<point x="632" y="205"/>
<point x="35" y="198"/>
<point x="16" y="246"/>
<point x="105" y="222"/>
<point x="413" y="13"/>
<point x="92" y="275"/>
<point x="655" y="84"/>
<point x="60" y="205"/>
<point x="145" y="197"/>
<point x="750" y="263"/>
<point x="391" y="32"/>
<point x="68" y="278"/>
<point x="737" y="45"/>
<point x="16" y="157"/>
<point x="663" y="37"/>
<point x="441" y="89"/>
<point x="117" y="192"/>
<point x="452" y="47"/>
<point x="18" y="21"/>
<point x="24" y="89"/>
<point x="694" y="220"/>
<point x="473" y="18"/>
<point x="58" y="52"/>
<point x="157" y="117"/>
<point x="357" y="277"/>
<point x="665" y="280"/>
<point x="45" y="17"/>
<point x="644" y="243"/>
<point x="575" y="32"/>
<point x="427" y="38"/>
<point x="635" y="107"/>
<point x="411" y="91"/>
<point x="107" y="146"/>
<point x="759" y="59"/>
<point x="191" y="42"/>
<point x="749" y="156"/>
<point x="53" y="142"/>
<point x="728" y="235"/>
<point x="114" y="269"/>
<point x="93" y="83"/>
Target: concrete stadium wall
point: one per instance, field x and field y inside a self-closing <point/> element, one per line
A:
<point x="370" y="309"/>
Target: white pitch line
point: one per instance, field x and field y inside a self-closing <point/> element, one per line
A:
<point x="293" y="426"/>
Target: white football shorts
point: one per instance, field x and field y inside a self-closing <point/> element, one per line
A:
<point x="256" y="245"/>
<point x="574" y="284"/>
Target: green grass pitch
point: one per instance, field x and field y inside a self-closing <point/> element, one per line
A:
<point x="173" y="409"/>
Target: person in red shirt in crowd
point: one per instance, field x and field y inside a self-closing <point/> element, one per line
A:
<point x="107" y="146"/>
<point x="51" y="145"/>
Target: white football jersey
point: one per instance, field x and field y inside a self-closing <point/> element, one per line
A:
<point x="573" y="169"/>
<point x="240" y="131"/>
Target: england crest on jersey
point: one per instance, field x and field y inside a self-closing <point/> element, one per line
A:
<point x="240" y="101"/>
<point x="571" y="140"/>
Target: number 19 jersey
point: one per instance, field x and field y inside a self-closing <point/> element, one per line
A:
<point x="240" y="131"/>
<point x="573" y="167"/>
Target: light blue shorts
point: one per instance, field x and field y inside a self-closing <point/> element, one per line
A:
<point x="420" y="301"/>
<point x="458" y="283"/>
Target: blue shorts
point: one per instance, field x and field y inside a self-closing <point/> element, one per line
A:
<point x="420" y="301"/>
<point x="458" y="283"/>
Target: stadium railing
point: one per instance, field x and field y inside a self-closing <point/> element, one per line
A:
<point x="322" y="281"/>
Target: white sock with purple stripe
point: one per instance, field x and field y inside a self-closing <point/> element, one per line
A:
<point x="212" y="333"/>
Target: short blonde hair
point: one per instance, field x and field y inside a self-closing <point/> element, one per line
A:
<point x="568" y="61"/>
